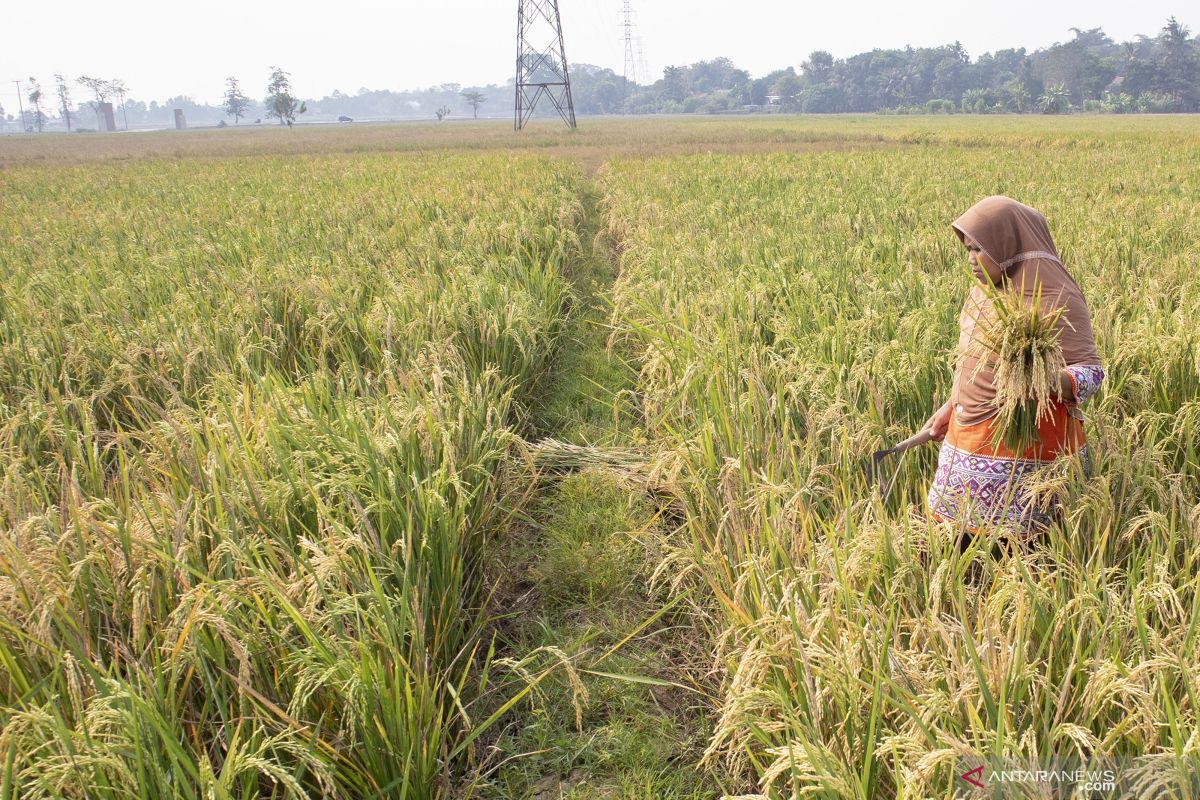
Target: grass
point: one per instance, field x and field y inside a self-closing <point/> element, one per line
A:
<point x="583" y="565"/>
<point x="574" y="577"/>
<point x="588" y="399"/>
<point x="587" y="557"/>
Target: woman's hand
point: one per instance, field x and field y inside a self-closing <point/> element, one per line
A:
<point x="939" y="423"/>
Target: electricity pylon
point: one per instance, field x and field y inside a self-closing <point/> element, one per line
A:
<point x="630" y="73"/>
<point x="541" y="69"/>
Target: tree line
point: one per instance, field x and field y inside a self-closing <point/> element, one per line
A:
<point x="1090" y="72"/>
<point x="42" y="106"/>
<point x="37" y="110"/>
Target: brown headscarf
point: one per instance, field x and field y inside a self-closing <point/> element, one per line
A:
<point x="1015" y="237"/>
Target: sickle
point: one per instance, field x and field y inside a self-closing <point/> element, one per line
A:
<point x="873" y="467"/>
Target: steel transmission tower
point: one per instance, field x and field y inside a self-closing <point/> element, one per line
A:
<point x="630" y="68"/>
<point x="541" y="70"/>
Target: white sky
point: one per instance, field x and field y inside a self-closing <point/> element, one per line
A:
<point x="164" y="49"/>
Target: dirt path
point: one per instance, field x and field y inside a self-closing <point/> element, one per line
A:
<point x="575" y="579"/>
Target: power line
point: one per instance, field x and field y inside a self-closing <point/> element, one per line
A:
<point x="643" y="70"/>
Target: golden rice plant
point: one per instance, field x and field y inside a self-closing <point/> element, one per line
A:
<point x="256" y="423"/>
<point x="794" y="312"/>
<point x="1023" y="345"/>
<point x="257" y="412"/>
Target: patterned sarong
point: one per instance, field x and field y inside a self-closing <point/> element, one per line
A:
<point x="986" y="485"/>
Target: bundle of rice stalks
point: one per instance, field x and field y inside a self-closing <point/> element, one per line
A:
<point x="1024" y="345"/>
<point x="556" y="456"/>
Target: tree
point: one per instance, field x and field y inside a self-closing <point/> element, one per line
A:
<point x="824" y="98"/>
<point x="280" y="103"/>
<point x="474" y="99"/>
<point x="1085" y="66"/>
<point x="442" y="113"/>
<point x="1056" y="100"/>
<point x="818" y="67"/>
<point x="64" y="98"/>
<point x="787" y="87"/>
<point x="137" y="108"/>
<point x="1180" y="65"/>
<point x="101" y="90"/>
<point x="1139" y="71"/>
<point x="597" y="90"/>
<point x="35" y="100"/>
<point x="118" y="88"/>
<point x="1093" y="38"/>
<point x="716" y="75"/>
<point x="236" y="103"/>
<point x="675" y="83"/>
<point x="1016" y="96"/>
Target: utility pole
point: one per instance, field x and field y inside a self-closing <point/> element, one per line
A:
<point x="630" y="67"/>
<point x="20" y="105"/>
<point x="541" y="70"/>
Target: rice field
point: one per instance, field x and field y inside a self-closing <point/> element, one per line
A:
<point x="256" y="417"/>
<point x="793" y="314"/>
<point x="266" y="403"/>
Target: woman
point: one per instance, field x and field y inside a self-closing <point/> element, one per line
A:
<point x="986" y="484"/>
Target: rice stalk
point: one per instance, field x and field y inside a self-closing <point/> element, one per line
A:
<point x="1022" y="343"/>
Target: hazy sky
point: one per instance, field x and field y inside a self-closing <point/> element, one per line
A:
<point x="163" y="49"/>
